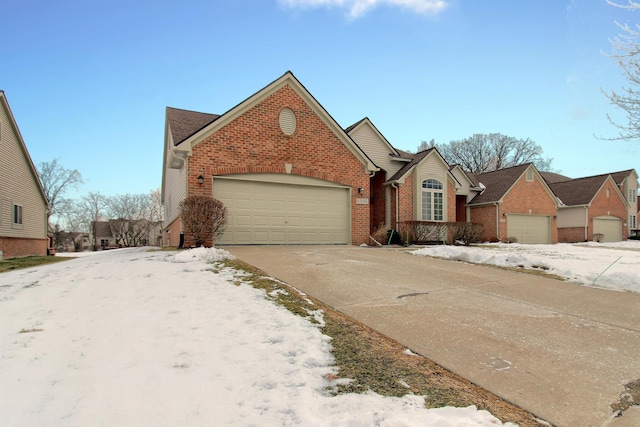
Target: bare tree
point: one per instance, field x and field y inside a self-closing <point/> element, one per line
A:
<point x="56" y="180"/>
<point x="92" y="209"/>
<point x="424" y="145"/>
<point x="482" y="153"/>
<point x="626" y="52"/>
<point x="203" y="218"/>
<point x="128" y="218"/>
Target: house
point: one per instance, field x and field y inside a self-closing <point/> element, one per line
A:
<point x="289" y="174"/>
<point x="286" y="171"/>
<point x="117" y="233"/>
<point x="592" y="208"/>
<point x="23" y="204"/>
<point x="516" y="204"/>
<point x="627" y="182"/>
<point x="72" y="241"/>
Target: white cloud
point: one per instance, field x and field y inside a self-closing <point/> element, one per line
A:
<point x="357" y="8"/>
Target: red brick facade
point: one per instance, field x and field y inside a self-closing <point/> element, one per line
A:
<point x="15" y="247"/>
<point x="254" y="143"/>
<point x="378" y="201"/>
<point x="525" y="197"/>
<point x="571" y="235"/>
<point x="608" y="206"/>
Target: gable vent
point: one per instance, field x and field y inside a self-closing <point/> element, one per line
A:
<point x="287" y="121"/>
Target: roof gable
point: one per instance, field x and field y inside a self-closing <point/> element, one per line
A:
<point x="580" y="191"/>
<point x="23" y="147"/>
<point x="416" y="159"/>
<point x="288" y="79"/>
<point x="619" y="177"/>
<point x="366" y="122"/>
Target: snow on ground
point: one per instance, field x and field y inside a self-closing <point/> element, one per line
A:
<point x="131" y="337"/>
<point x="613" y="266"/>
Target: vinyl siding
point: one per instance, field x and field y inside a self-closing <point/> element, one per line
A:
<point x="376" y="149"/>
<point x="572" y="217"/>
<point x="175" y="185"/>
<point x="430" y="168"/>
<point x="18" y="185"/>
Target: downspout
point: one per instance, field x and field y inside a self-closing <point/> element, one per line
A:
<point x="496" y="204"/>
<point x="397" y="200"/>
<point x="586" y="223"/>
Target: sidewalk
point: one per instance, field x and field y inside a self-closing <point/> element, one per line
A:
<point x="558" y="350"/>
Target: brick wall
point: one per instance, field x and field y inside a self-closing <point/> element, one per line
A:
<point x="15" y="247"/>
<point x="571" y="235"/>
<point x="451" y="202"/>
<point x="406" y="211"/>
<point x="611" y="206"/>
<point x="171" y="233"/>
<point x="486" y="215"/>
<point x="378" y="200"/>
<point x="254" y="143"/>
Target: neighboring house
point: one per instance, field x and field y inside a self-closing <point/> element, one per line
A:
<point x="517" y="205"/>
<point x="116" y="233"/>
<point x="591" y="208"/>
<point x="286" y="171"/>
<point x="72" y="241"/>
<point x="23" y="204"/>
<point x="627" y="182"/>
<point x="289" y="174"/>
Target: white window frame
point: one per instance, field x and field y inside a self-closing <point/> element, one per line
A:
<point x="17" y="216"/>
<point x="633" y="222"/>
<point x="631" y="195"/>
<point x="429" y="196"/>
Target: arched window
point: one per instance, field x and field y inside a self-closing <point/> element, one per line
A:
<point x="432" y="200"/>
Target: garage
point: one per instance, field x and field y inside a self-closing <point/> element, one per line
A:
<point x="609" y="226"/>
<point x="273" y="209"/>
<point x="529" y="228"/>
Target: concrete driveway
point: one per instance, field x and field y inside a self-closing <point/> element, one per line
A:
<point x="559" y="350"/>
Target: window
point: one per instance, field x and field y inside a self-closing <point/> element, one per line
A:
<point x="17" y="215"/>
<point x="631" y="195"/>
<point x="432" y="200"/>
<point x="633" y="222"/>
<point x="530" y="175"/>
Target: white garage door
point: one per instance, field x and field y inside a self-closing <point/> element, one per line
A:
<point x="529" y="228"/>
<point x="299" y="211"/>
<point x="609" y="227"/>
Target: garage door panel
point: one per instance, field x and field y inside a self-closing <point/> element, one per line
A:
<point x="610" y="228"/>
<point x="529" y="228"/>
<point x="283" y="213"/>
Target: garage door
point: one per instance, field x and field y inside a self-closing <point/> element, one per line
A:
<point x="610" y="227"/>
<point x="529" y="228"/>
<point x="299" y="211"/>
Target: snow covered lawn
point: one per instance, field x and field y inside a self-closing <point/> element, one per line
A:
<point x="613" y="266"/>
<point x="131" y="337"/>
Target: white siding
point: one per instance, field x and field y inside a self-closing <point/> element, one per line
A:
<point x="18" y="185"/>
<point x="376" y="149"/>
<point x="572" y="217"/>
<point x="175" y="185"/>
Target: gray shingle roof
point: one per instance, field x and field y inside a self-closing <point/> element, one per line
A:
<point x="580" y="191"/>
<point x="184" y="123"/>
<point x="497" y="183"/>
<point x="552" y="177"/>
<point x="407" y="166"/>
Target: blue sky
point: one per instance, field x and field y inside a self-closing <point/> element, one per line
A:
<point x="88" y="81"/>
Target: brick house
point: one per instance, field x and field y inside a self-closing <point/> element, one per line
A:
<point x="516" y="204"/>
<point x="286" y="171"/>
<point x="23" y="204"/>
<point x="593" y="205"/>
<point x="289" y="174"/>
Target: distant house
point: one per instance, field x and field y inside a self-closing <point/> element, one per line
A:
<point x="72" y="241"/>
<point x="516" y="204"/>
<point x="592" y="208"/>
<point x="627" y="182"/>
<point x="23" y="204"/>
<point x="118" y="233"/>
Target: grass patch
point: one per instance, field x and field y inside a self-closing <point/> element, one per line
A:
<point x="26" y="262"/>
<point x="375" y="362"/>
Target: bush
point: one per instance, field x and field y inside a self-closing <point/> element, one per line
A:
<point x="636" y="237"/>
<point x="203" y="218"/>
<point x="440" y="232"/>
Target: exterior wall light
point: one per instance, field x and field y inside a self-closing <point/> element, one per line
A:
<point x="200" y="179"/>
<point x="361" y="190"/>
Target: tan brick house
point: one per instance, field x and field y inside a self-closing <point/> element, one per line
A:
<point x="23" y="204"/>
<point x="287" y="172"/>
<point x="516" y="204"/>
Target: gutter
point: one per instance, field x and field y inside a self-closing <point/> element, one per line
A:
<point x="394" y="185"/>
<point x="496" y="204"/>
